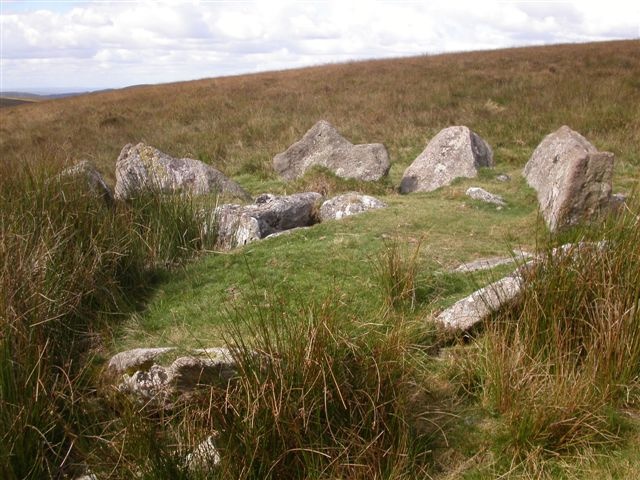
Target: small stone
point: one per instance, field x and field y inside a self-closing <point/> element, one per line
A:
<point x="204" y="457"/>
<point x="136" y="359"/>
<point x="348" y="204"/>
<point x="89" y="174"/>
<point x="481" y="194"/>
<point x="503" y="177"/>
<point x="471" y="310"/>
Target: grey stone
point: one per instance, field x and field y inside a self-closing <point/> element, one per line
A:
<point x="189" y="372"/>
<point x="617" y="202"/>
<point x="240" y="225"/>
<point x="87" y="172"/>
<point x="136" y="359"/>
<point x="204" y="457"/>
<point x="471" y="310"/>
<point x="141" y="168"/>
<point x="348" y="204"/>
<point x="503" y="177"/>
<point x="492" y="262"/>
<point x="322" y="145"/>
<point x="454" y="152"/>
<point x="572" y="179"/>
<point x="482" y="195"/>
<point x="88" y="476"/>
<point x="152" y="385"/>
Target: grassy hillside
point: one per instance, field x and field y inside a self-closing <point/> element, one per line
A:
<point x="374" y="390"/>
<point x="510" y="97"/>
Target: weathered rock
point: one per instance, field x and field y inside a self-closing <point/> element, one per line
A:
<point x="189" y="372"/>
<point x="158" y="383"/>
<point x="481" y="194"/>
<point x="492" y="262"/>
<point x="348" y="204"/>
<point x="136" y="359"/>
<point x="239" y="225"/>
<point x="204" y="457"/>
<point x="471" y="310"/>
<point x="452" y="153"/>
<point x="88" y="476"/>
<point x="87" y="172"/>
<point x="154" y="384"/>
<point x="617" y="202"/>
<point x="141" y="168"/>
<point x="322" y="145"/>
<point x="572" y="179"/>
<point x="503" y="177"/>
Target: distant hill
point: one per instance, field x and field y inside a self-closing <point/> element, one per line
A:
<point x="13" y="98"/>
<point x="12" y="102"/>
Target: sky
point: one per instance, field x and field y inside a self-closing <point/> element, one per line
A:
<point x="55" y="46"/>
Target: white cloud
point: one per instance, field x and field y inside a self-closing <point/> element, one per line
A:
<point x="111" y="44"/>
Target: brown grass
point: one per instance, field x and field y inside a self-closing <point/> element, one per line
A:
<point x="511" y="97"/>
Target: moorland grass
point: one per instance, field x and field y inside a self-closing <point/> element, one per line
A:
<point x="350" y="381"/>
<point x="70" y="266"/>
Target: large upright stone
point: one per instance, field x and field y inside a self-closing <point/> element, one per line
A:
<point x="322" y="145"/>
<point x="452" y="153"/>
<point x="240" y="225"/>
<point x="141" y="168"/>
<point x="572" y="178"/>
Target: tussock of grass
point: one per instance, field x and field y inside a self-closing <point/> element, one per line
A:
<point x="558" y="364"/>
<point x="318" y="397"/>
<point x="68" y="262"/>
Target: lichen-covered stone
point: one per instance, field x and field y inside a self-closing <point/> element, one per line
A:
<point x="240" y="225"/>
<point x="135" y="359"/>
<point x="482" y="195"/>
<point x="348" y="204"/>
<point x="322" y="145"/>
<point x="454" y="152"/>
<point x="141" y="168"/>
<point x="571" y="177"/>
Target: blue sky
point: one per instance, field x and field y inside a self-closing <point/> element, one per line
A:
<point x="66" y="45"/>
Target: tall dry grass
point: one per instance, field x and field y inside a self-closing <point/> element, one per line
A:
<point x="558" y="364"/>
<point x="69" y="265"/>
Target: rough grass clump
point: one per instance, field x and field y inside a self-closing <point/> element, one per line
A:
<point x="68" y="261"/>
<point x="396" y="268"/>
<point x="315" y="399"/>
<point x="555" y="365"/>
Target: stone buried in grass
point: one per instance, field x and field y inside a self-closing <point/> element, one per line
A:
<point x="141" y="168"/>
<point x="572" y="179"/>
<point x="471" y="310"/>
<point x="135" y="359"/>
<point x="322" y="145"/>
<point x="348" y="204"/>
<point x="452" y="153"/>
<point x="85" y="171"/>
<point x="481" y="194"/>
